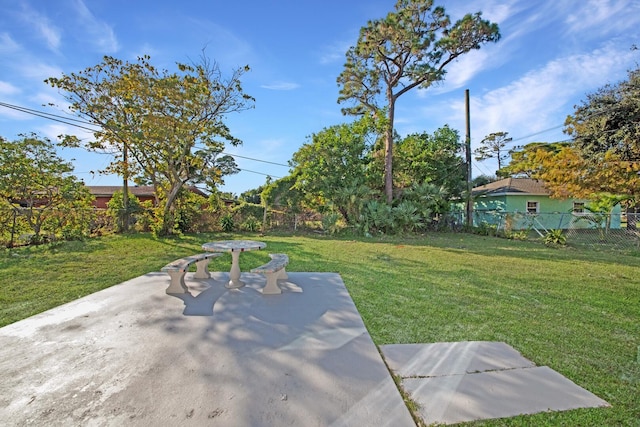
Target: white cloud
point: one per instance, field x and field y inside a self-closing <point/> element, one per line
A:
<point x="7" y="44"/>
<point x="493" y="10"/>
<point x="465" y="69"/>
<point x="39" y="71"/>
<point x="100" y="33"/>
<point x="335" y="53"/>
<point x="13" y="114"/>
<point x="227" y="47"/>
<point x="540" y="99"/>
<point x="45" y="29"/>
<point x="52" y="130"/>
<point x="281" y="86"/>
<point x="491" y="55"/>
<point x="8" y="88"/>
<point x="533" y="106"/>
<point x="147" y="49"/>
<point x="604" y="16"/>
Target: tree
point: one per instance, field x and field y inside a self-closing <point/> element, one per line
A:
<point x="282" y="195"/>
<point x="408" y="49"/>
<point x="120" y="213"/>
<point x="482" y="180"/>
<point x="608" y="121"/>
<point x="526" y="161"/>
<point x="492" y="146"/>
<point x="604" y="156"/>
<point x="567" y="173"/>
<point x="336" y="158"/>
<point x="252" y="196"/>
<point x="167" y="127"/>
<point x="424" y="158"/>
<point x="41" y="189"/>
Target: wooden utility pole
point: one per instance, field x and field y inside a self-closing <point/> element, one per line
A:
<point x="469" y="206"/>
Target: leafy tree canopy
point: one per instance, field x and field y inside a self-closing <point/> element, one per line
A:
<point x="493" y="146"/>
<point x="608" y="121"/>
<point x="603" y="159"/>
<point x="483" y="180"/>
<point x="525" y="161"/>
<point x="335" y="159"/>
<point x="38" y="184"/>
<point x="409" y="48"/>
<point x="282" y="193"/>
<point x="169" y="126"/>
<point x="434" y="159"/>
<point x="567" y="173"/>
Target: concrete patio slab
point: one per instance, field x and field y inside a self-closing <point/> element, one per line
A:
<point x="468" y="381"/>
<point x="455" y="358"/>
<point x="133" y="355"/>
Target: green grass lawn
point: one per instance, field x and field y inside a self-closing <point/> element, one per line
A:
<point x="576" y="311"/>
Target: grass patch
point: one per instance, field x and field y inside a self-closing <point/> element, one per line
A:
<point x="573" y="310"/>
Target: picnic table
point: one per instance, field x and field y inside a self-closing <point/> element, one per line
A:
<point x="236" y="247"/>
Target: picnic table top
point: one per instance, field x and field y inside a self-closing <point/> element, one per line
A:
<point x="233" y="246"/>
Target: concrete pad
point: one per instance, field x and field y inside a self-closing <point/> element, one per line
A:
<point x="454" y="358"/>
<point x="133" y="355"/>
<point x="497" y="394"/>
<point x="459" y="382"/>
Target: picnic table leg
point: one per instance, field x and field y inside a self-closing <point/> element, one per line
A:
<point x="271" y="288"/>
<point x="234" y="274"/>
<point x="202" y="269"/>
<point x="177" y="285"/>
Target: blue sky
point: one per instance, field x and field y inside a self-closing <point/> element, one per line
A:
<point x="552" y="53"/>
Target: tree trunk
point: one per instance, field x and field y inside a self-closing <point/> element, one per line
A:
<point x="264" y="219"/>
<point x="388" y="153"/>
<point x="167" y="219"/>
<point x="345" y="214"/>
<point x="125" y="189"/>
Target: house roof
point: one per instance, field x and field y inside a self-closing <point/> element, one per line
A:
<point x="110" y="190"/>
<point x="512" y="186"/>
<point x="136" y="190"/>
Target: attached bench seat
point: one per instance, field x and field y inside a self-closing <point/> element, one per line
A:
<point x="274" y="270"/>
<point x="178" y="268"/>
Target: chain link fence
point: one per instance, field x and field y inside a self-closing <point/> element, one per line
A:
<point x="587" y="229"/>
<point x="594" y="231"/>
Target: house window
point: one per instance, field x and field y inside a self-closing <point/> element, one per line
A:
<point x="533" y="207"/>
<point x="578" y="207"/>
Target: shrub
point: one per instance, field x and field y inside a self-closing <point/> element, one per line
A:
<point x="251" y="224"/>
<point x="376" y="217"/>
<point x="555" y="237"/>
<point x="227" y="223"/>
<point x="517" y="235"/>
<point x="330" y="222"/>
<point x="486" y="229"/>
<point x="406" y="217"/>
<point x="245" y="210"/>
<point x="115" y="208"/>
<point x="188" y="210"/>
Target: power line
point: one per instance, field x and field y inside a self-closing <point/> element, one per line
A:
<point x="480" y="169"/>
<point x="32" y="111"/>
<point x="255" y="160"/>
<point x="67" y="120"/>
<point x="260" y="173"/>
<point x="536" y="133"/>
<point x="49" y="116"/>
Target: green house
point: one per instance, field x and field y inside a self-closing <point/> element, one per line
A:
<point x="524" y="204"/>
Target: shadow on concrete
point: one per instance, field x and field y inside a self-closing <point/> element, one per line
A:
<point x="131" y="354"/>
